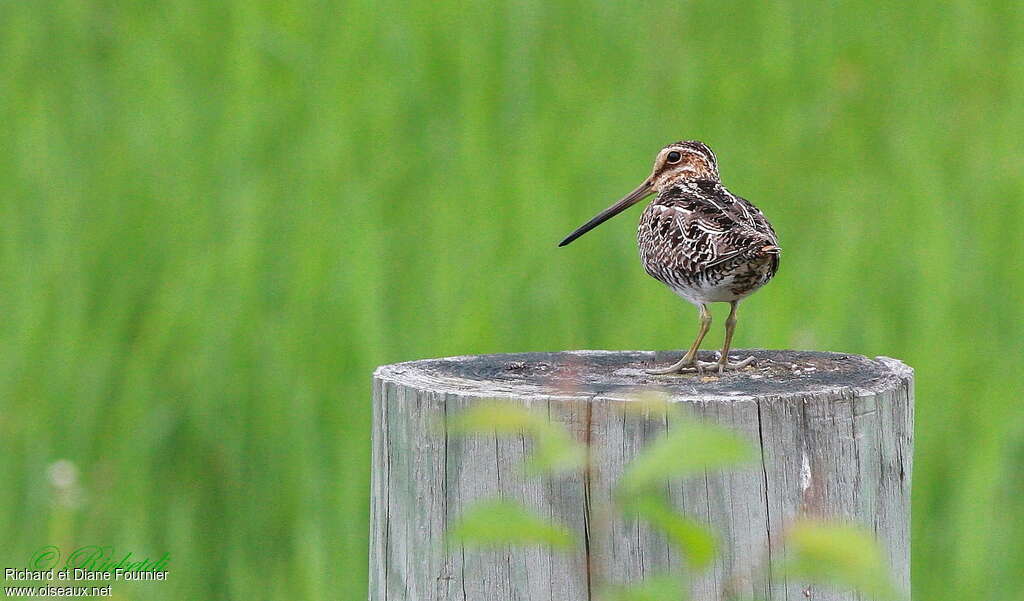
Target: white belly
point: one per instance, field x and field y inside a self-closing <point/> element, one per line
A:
<point x="720" y="293"/>
<point x="739" y="284"/>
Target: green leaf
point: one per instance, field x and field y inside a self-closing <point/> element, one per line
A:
<point x="500" y="522"/>
<point x="689" y="449"/>
<point x="650" y="403"/>
<point x="554" y="449"/>
<point x="503" y="418"/>
<point x="840" y="554"/>
<point x="693" y="540"/>
<point x="665" y="587"/>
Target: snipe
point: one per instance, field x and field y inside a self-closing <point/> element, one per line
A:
<point x="702" y="241"/>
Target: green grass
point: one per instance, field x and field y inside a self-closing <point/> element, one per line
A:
<point x="218" y="217"/>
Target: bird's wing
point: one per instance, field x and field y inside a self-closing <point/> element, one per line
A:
<point x="757" y="220"/>
<point x="691" y="231"/>
<point x="738" y="208"/>
<point x="681" y="233"/>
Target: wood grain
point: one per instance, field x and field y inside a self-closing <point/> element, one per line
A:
<point x="835" y="434"/>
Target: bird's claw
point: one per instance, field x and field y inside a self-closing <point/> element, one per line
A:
<point x="678" y="368"/>
<point x="700" y="366"/>
<point x="723" y="365"/>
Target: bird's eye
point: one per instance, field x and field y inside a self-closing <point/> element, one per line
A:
<point x="673" y="157"/>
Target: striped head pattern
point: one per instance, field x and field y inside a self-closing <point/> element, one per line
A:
<point x="685" y="160"/>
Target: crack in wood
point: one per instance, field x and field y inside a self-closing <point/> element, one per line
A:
<point x="587" y="517"/>
<point x="767" y="497"/>
<point x="423" y="477"/>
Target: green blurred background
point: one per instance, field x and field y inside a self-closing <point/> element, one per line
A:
<point x="218" y="217"/>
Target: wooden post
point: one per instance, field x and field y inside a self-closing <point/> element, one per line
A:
<point x="835" y="433"/>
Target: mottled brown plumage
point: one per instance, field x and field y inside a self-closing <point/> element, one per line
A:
<point x="705" y="243"/>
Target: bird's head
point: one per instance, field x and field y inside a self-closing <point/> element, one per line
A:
<point x="683" y="161"/>
<point x="689" y="160"/>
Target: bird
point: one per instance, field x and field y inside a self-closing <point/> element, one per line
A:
<point x="704" y="242"/>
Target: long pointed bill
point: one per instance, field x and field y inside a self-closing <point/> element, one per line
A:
<point x="631" y="199"/>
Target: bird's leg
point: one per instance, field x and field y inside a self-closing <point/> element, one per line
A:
<point x="723" y="360"/>
<point x="689" y="359"/>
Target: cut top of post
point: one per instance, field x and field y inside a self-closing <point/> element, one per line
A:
<point x="617" y="374"/>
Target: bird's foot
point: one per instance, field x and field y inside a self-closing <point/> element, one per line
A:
<point x="684" y="364"/>
<point x="723" y="364"/>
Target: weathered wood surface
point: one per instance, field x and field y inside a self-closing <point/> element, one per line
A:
<point x="835" y="433"/>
